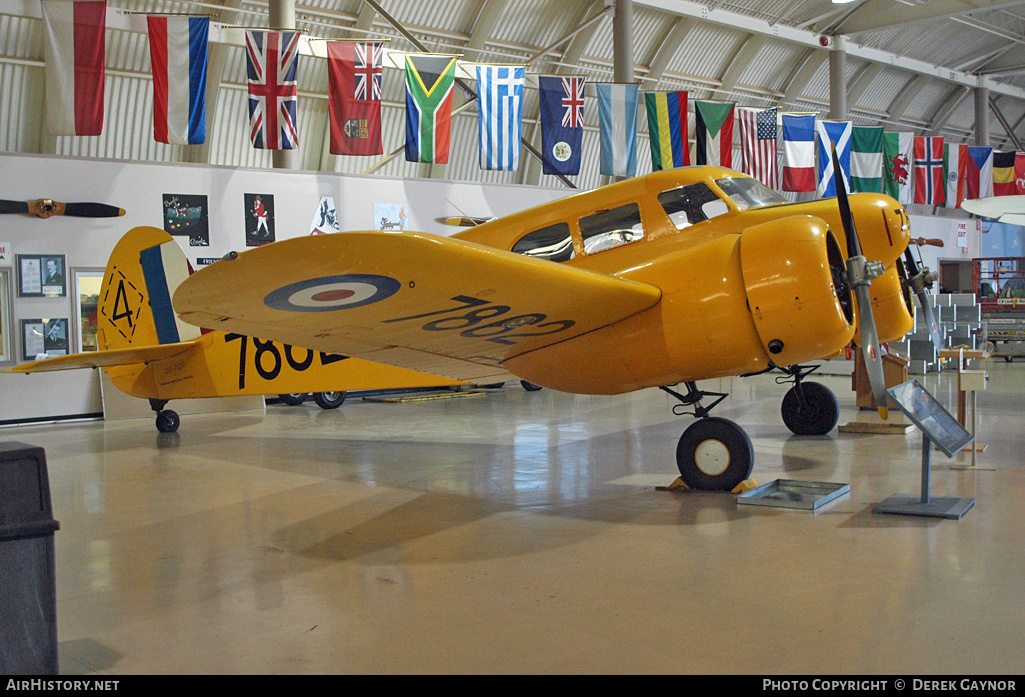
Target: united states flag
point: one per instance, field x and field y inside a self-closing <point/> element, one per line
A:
<point x="369" y="61"/>
<point x="272" y="59"/>
<point x="573" y="102"/>
<point x="758" y="145"/>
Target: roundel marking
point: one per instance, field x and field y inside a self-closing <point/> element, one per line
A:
<point x="332" y="293"/>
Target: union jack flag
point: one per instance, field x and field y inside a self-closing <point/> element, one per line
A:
<point x="369" y="61"/>
<point x="272" y="59"/>
<point x="573" y="102"/>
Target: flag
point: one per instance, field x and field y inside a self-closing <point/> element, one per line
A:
<point x="929" y="184"/>
<point x="830" y="132"/>
<point x="979" y="182"/>
<point x="713" y="133"/>
<point x="1019" y="174"/>
<point x="758" y="145"/>
<point x="955" y="168"/>
<point x="1003" y="173"/>
<point x="178" y="57"/>
<point x="667" y="129"/>
<point x="562" y="123"/>
<point x="354" y="97"/>
<point x="429" y="81"/>
<point x="617" y="116"/>
<point x="898" y="149"/>
<point x="272" y="62"/>
<point x="798" y="153"/>
<point x="500" y="115"/>
<point x="867" y="159"/>
<point x="74" y="35"/>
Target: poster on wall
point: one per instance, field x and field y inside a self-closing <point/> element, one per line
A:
<point x="390" y="216"/>
<point x="259" y="219"/>
<point x="187" y="215"/>
<point x="6" y="257"/>
<point x="325" y="220"/>
<point x="41" y="275"/>
<point x="44" y="337"/>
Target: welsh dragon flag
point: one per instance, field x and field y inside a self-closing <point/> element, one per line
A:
<point x="898" y="153"/>
<point x="713" y="133"/>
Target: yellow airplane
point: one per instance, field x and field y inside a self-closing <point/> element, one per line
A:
<point x="667" y="279"/>
<point x="147" y="352"/>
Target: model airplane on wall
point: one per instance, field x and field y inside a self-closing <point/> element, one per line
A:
<point x="668" y="279"/>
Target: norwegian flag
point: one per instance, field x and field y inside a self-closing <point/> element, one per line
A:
<point x="369" y="60"/>
<point x="930" y="187"/>
<point x="573" y="102"/>
<point x="272" y="61"/>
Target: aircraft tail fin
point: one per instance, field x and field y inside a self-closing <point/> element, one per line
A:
<point x="134" y="308"/>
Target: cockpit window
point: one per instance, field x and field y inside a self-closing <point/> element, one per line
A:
<point x="691" y="204"/>
<point x="552" y="242"/>
<point x="611" y="228"/>
<point x="749" y="193"/>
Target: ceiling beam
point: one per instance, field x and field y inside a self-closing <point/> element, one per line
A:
<point x="907" y="95"/>
<point x="812" y="63"/>
<point x="666" y="50"/>
<point x="741" y="60"/>
<point x="883" y="14"/>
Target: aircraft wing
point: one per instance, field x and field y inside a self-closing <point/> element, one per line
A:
<point x="1006" y="209"/>
<point x="414" y="300"/>
<point x="106" y="359"/>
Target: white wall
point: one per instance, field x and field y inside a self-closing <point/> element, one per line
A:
<point x="139" y="188"/>
<point x="944" y="229"/>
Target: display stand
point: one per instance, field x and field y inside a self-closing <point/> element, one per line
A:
<point x="938" y="428"/>
<point x="867" y="420"/>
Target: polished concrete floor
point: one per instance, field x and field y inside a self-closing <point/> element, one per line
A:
<point x="525" y="532"/>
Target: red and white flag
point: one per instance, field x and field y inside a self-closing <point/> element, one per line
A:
<point x="75" y="42"/>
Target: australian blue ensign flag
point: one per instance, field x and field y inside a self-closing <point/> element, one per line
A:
<point x="562" y="123"/>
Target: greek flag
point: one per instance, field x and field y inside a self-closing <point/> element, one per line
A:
<point x="500" y="115"/>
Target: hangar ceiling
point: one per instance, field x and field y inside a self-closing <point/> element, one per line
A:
<point x="909" y="66"/>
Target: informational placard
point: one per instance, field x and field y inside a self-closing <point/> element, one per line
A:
<point x="41" y="275"/>
<point x="930" y="416"/>
<point x="44" y="337"/>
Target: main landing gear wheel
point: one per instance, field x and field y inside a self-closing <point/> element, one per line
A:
<point x="329" y="400"/>
<point x="168" y="421"/>
<point x="817" y="415"/>
<point x="714" y="455"/>
<point x="529" y="386"/>
<point x="294" y="399"/>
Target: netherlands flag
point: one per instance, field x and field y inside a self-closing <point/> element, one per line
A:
<point x="75" y="42"/>
<point x="178" y="55"/>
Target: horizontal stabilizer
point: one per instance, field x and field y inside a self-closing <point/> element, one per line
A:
<point x="106" y="359"/>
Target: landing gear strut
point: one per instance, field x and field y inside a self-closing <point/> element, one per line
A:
<point x="168" y="421"/>
<point x="808" y="408"/>
<point x="713" y="454"/>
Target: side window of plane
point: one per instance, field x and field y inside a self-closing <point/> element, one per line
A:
<point x="691" y="204"/>
<point x="553" y="243"/>
<point x="611" y="228"/>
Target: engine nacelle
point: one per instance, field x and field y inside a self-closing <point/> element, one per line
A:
<point x="796" y="289"/>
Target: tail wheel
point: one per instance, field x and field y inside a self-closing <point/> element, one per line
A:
<point x="168" y="421"/>
<point x="529" y="386"/>
<point x="329" y="400"/>
<point x="714" y="455"/>
<point x="294" y="399"/>
<point x="819" y="414"/>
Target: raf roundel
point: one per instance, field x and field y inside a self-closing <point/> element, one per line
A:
<point x="332" y="293"/>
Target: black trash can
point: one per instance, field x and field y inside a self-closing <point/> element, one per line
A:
<point x="28" y="588"/>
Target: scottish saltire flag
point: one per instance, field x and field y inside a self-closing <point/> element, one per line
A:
<point x="272" y="62"/>
<point x="667" y="129"/>
<point x="429" y="81"/>
<point x="354" y="97"/>
<point x="178" y="48"/>
<point x="830" y="132"/>
<point x="713" y="133"/>
<point x="617" y="116"/>
<point x="898" y="153"/>
<point x="500" y="115"/>
<point x="798" y="152"/>
<point x="562" y="123"/>
<point x="929" y="182"/>
<point x="979" y="179"/>
<point x="867" y="159"/>
<point x="758" y="145"/>
<point x="955" y="170"/>
<point x="1003" y="173"/>
<point x="74" y="38"/>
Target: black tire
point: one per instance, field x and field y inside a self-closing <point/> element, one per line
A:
<point x="329" y="400"/>
<point x="294" y="399"/>
<point x="494" y="386"/>
<point x="714" y="455"/>
<point x="820" y="414"/>
<point x="168" y="421"/>
<point x="529" y="386"/>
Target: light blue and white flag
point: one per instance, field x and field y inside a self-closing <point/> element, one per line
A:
<point x="500" y="115"/>
<point x="838" y="132"/>
<point x="617" y="114"/>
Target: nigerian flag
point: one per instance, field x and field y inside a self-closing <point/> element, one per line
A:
<point x="867" y="159"/>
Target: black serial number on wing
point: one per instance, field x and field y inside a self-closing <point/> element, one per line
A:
<point x="475" y="323"/>
<point x="266" y="358"/>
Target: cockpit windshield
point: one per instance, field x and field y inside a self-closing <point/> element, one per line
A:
<point x="749" y="193"/>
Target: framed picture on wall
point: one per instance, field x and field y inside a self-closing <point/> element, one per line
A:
<point x="42" y="276"/>
<point x="47" y="336"/>
<point x="6" y="326"/>
<point x="259" y="211"/>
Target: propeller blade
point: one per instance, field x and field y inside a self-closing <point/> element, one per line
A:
<point x="920" y="280"/>
<point x="861" y="272"/>
<point x="933" y="242"/>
